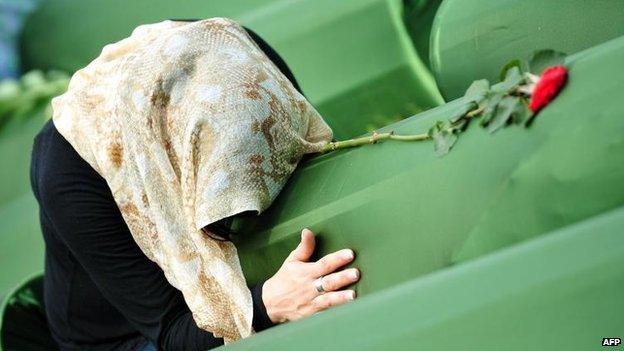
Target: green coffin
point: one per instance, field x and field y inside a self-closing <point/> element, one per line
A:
<point x="407" y="212"/>
<point x="353" y="58"/>
<point x="562" y="291"/>
<point x="473" y="39"/>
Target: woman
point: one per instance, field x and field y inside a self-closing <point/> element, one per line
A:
<point x="157" y="144"/>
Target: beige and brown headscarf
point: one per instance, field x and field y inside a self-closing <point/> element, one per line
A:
<point x="190" y="123"/>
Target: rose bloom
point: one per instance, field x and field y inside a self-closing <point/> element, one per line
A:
<point x="551" y="82"/>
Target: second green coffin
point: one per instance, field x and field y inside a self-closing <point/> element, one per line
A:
<point x="407" y="212"/>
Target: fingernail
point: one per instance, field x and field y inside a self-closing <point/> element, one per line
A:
<point x="355" y="274"/>
<point x="349" y="254"/>
<point x="351" y="295"/>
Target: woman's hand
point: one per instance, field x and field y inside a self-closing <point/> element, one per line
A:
<point x="292" y="294"/>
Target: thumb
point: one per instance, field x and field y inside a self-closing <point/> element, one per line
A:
<point x="305" y="249"/>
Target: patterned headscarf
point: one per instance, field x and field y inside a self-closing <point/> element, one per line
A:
<point x="190" y="123"/>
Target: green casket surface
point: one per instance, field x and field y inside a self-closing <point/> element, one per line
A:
<point x="407" y="212"/>
<point x="354" y="58"/>
<point x="562" y="291"/>
<point x="473" y="39"/>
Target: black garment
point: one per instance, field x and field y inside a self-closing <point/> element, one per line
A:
<point x="101" y="291"/>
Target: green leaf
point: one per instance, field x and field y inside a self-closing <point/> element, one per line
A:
<point x="503" y="113"/>
<point x="443" y="138"/>
<point x="460" y="113"/>
<point x="461" y="125"/>
<point x="436" y="128"/>
<point x="513" y="63"/>
<point x="490" y="107"/>
<point x="545" y="58"/>
<point x="513" y="78"/>
<point x="444" y="143"/>
<point x="477" y="90"/>
<point x="522" y="112"/>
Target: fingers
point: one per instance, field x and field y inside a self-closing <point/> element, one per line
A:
<point x="331" y="299"/>
<point x="339" y="280"/>
<point x="305" y="249"/>
<point x="328" y="264"/>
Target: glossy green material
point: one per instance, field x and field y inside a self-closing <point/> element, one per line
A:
<point x="408" y="213"/>
<point x="562" y="291"/>
<point x="354" y="58"/>
<point x="473" y="39"/>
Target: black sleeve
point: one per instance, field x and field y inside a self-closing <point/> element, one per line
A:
<point x="82" y="211"/>
<point x="184" y="327"/>
<point x="261" y="320"/>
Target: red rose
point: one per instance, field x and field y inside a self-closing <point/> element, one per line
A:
<point x="547" y="88"/>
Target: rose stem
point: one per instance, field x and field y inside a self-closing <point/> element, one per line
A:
<point x="375" y="137"/>
<point x="345" y="144"/>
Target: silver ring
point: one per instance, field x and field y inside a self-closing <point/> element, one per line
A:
<point x="318" y="285"/>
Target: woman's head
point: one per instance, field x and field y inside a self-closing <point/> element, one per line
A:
<point x="268" y="51"/>
<point x="222" y="229"/>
